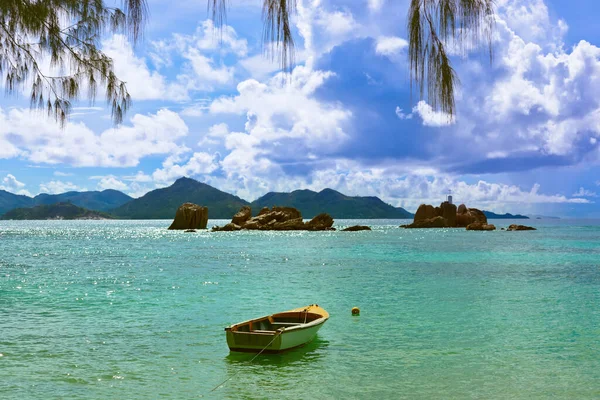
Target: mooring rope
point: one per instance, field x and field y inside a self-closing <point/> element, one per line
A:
<point x="253" y="358"/>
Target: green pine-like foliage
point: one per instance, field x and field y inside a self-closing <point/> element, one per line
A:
<point x="67" y="33"/>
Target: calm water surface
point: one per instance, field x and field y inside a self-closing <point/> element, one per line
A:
<point x="127" y="309"/>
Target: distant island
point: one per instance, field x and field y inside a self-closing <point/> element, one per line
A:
<point x="100" y="201"/>
<point x="60" y="211"/>
<point x="491" y="215"/>
<point x="542" y="217"/>
<point x="163" y="203"/>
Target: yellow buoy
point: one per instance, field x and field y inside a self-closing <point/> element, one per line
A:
<point x="355" y="311"/>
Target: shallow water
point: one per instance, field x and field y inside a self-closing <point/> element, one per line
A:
<point x="127" y="309"/>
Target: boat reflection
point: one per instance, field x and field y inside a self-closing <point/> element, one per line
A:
<point x="308" y="353"/>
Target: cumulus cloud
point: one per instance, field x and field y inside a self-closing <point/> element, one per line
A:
<point x="57" y="187"/>
<point x="400" y="114"/>
<point x="140" y="177"/>
<point x="11" y="184"/>
<point x="530" y="19"/>
<point x="538" y="102"/>
<point x="584" y="193"/>
<point x="336" y="23"/>
<point x="216" y="134"/>
<point x="142" y="83"/>
<point x="199" y="69"/>
<point x="284" y="121"/>
<point x="431" y="117"/>
<point x="390" y="45"/>
<point x="199" y="164"/>
<point x="323" y="28"/>
<point x="40" y="140"/>
<point x="111" y="182"/>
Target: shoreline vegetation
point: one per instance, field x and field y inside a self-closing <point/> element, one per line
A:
<point x="163" y="203"/>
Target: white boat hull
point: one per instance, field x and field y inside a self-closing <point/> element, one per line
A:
<point x="281" y="336"/>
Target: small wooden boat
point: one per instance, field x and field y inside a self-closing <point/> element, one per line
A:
<point x="277" y="332"/>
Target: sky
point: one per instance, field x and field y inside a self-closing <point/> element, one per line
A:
<point x="209" y="104"/>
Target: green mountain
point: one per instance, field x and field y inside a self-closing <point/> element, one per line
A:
<point x="491" y="215"/>
<point x="163" y="203"/>
<point x="8" y="201"/>
<point x="101" y="201"/>
<point x="54" y="211"/>
<point x="332" y="202"/>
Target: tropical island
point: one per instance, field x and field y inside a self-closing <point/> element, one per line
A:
<point x="58" y="211"/>
<point x="163" y="203"/>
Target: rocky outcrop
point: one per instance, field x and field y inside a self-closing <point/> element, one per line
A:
<point x="466" y="216"/>
<point x="242" y="216"/>
<point x="276" y="219"/>
<point x="436" y="222"/>
<point x="515" y="227"/>
<point x="356" y="228"/>
<point x="190" y="216"/>
<point x="448" y="212"/>
<point x="447" y="215"/>
<point x="322" y="222"/>
<point x="230" y="227"/>
<point x="425" y="212"/>
<point x="478" y="226"/>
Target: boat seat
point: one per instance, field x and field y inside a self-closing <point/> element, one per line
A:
<point x="259" y="331"/>
<point x="287" y="323"/>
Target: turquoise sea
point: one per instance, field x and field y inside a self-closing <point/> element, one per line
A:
<point x="130" y="310"/>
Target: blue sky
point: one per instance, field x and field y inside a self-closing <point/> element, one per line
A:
<point x="211" y="106"/>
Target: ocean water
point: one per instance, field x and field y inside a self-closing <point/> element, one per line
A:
<point x="130" y="310"/>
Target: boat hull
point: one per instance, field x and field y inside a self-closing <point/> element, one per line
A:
<point x="271" y="343"/>
<point x="278" y="332"/>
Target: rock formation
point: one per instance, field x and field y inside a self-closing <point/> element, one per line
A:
<point x="515" y="227"/>
<point x="356" y="228"/>
<point x="478" y="226"/>
<point x="242" y="216"/>
<point x="448" y="216"/>
<point x="190" y="216"/>
<point x="276" y="219"/>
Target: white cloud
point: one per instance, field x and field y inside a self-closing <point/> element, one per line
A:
<point x="199" y="70"/>
<point x="208" y="38"/>
<point x="530" y="20"/>
<point x="200" y="163"/>
<point x="11" y="184"/>
<point x="375" y="5"/>
<point x="400" y="114"/>
<point x="140" y="177"/>
<point x="432" y="118"/>
<point x="216" y="134"/>
<point x="323" y="29"/>
<point x="142" y="83"/>
<point x="111" y="182"/>
<point x="390" y="45"/>
<point x="62" y="174"/>
<point x="285" y="122"/>
<point x="584" y="193"/>
<point x="41" y="140"/>
<point x="205" y="73"/>
<point x="337" y="23"/>
<point x="56" y="187"/>
<point x="540" y="97"/>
